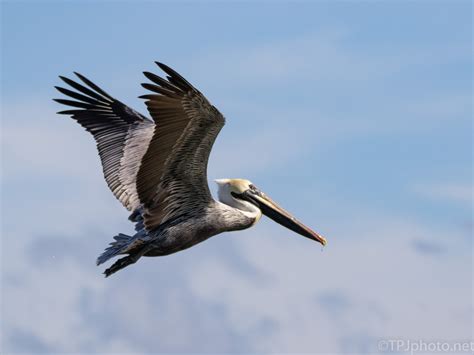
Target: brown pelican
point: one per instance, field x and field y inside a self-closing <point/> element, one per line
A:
<point x="158" y="168"/>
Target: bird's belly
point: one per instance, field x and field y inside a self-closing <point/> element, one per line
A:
<point x="180" y="237"/>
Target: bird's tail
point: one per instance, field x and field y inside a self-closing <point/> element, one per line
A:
<point x="119" y="246"/>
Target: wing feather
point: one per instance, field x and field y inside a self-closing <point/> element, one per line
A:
<point x="122" y="135"/>
<point x="172" y="179"/>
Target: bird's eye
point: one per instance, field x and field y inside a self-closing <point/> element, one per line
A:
<point x="252" y="187"/>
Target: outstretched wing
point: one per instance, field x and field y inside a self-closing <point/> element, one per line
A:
<point x="122" y="135"/>
<point x="172" y="179"/>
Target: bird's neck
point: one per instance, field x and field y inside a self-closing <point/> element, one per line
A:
<point x="239" y="215"/>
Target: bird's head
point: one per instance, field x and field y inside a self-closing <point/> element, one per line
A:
<point x="244" y="195"/>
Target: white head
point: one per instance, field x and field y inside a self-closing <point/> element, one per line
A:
<point x="237" y="186"/>
<point x="247" y="198"/>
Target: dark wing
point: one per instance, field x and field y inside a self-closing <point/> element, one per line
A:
<point x="172" y="179"/>
<point x="122" y="135"/>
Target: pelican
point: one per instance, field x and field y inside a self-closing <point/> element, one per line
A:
<point x="157" y="168"/>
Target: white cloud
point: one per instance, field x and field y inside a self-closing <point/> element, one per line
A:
<point x="181" y="302"/>
<point x="37" y="141"/>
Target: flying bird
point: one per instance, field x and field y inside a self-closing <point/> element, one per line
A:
<point x="157" y="168"/>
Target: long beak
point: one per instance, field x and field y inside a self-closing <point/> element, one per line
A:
<point x="270" y="209"/>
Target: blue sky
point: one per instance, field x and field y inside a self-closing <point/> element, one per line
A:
<point x="356" y="116"/>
